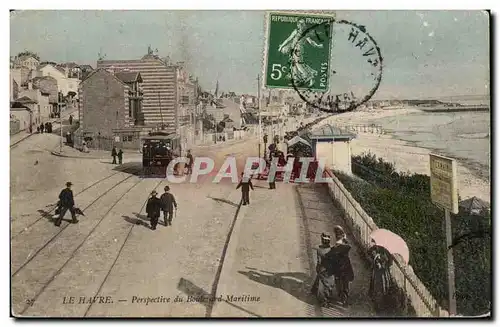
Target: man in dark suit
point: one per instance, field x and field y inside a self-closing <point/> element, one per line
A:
<point x="66" y="202"/>
<point x="344" y="274"/>
<point x="190" y="162"/>
<point x="114" y="154"/>
<point x="168" y="203"/>
<point x="153" y="209"/>
<point x="245" y="184"/>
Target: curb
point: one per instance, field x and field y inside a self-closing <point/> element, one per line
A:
<point x="20" y="140"/>
<point x="222" y="143"/>
<point x="59" y="154"/>
<point x="62" y="155"/>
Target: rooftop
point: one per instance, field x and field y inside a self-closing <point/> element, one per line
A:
<point x="129" y="77"/>
<point x="25" y="99"/>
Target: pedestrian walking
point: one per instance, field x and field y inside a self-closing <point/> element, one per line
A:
<point x="47" y="127"/>
<point x="114" y="154"/>
<point x="190" y="162"/>
<point x="71" y="119"/>
<point x="66" y="202"/>
<point x="380" y="281"/>
<point x="342" y="265"/>
<point x="120" y="156"/>
<point x="50" y="127"/>
<point x="168" y="204"/>
<point x="325" y="280"/>
<point x="41" y="128"/>
<point x="272" y="179"/>
<point x="246" y="185"/>
<point x="153" y="209"/>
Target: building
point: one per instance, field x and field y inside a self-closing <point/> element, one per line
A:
<point x="160" y="94"/>
<point x="48" y="84"/>
<point x="216" y="110"/>
<point x="64" y="83"/>
<point x="110" y="105"/>
<point x="14" y="88"/>
<point x="71" y="70"/>
<point x="37" y="101"/>
<point x="21" y="75"/>
<point x="333" y="145"/>
<point x="28" y="61"/>
<point x="86" y="70"/>
<point x="187" y="88"/>
<point x="20" y="117"/>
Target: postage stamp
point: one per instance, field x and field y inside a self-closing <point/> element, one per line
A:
<point x="307" y="53"/>
<point x="352" y="84"/>
<point x="297" y="53"/>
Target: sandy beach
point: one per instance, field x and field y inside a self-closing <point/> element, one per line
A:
<point x="405" y="156"/>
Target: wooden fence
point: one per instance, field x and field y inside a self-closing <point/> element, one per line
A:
<point x="362" y="225"/>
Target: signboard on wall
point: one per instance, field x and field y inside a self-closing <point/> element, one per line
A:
<point x="444" y="191"/>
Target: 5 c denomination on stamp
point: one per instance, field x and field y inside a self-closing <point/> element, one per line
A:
<point x="296" y="55"/>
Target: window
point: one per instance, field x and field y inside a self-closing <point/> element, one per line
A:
<point x="127" y="138"/>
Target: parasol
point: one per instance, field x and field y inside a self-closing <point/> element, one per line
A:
<point x="392" y="242"/>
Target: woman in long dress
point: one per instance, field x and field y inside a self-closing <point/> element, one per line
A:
<point x="324" y="282"/>
<point x="380" y="281"/>
<point x="293" y="46"/>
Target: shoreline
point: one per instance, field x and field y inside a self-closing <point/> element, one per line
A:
<point x="408" y="157"/>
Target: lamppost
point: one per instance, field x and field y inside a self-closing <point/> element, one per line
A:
<point x="60" y="121"/>
<point x="260" y="116"/>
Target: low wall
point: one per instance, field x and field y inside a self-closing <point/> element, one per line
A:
<point x="362" y="225"/>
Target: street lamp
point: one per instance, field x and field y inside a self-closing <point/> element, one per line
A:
<point x="60" y="121"/>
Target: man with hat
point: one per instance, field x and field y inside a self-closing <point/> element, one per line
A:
<point x="66" y="202"/>
<point x="168" y="203"/>
<point x="153" y="209"/>
<point x="245" y="184"/>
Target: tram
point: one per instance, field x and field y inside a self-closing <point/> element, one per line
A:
<point x="158" y="149"/>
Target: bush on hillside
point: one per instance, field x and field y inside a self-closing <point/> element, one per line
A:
<point x="401" y="203"/>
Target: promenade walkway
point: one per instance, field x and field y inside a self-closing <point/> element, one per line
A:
<point x="271" y="256"/>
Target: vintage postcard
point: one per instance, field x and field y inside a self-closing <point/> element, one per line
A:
<point x="258" y="164"/>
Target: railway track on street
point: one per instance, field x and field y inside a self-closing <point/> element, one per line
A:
<point x="36" y="280"/>
<point x="51" y="211"/>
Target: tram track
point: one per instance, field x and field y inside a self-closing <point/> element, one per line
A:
<point x="32" y="299"/>
<point x="51" y="211"/>
<point x="54" y="237"/>
<point x="118" y="254"/>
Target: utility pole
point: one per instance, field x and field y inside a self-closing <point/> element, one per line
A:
<point x="60" y="122"/>
<point x="260" y="116"/>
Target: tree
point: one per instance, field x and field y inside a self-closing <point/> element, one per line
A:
<point x="28" y="53"/>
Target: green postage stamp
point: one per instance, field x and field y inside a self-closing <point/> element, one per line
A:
<point x="298" y="51"/>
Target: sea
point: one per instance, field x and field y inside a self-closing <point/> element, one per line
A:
<point x="464" y="136"/>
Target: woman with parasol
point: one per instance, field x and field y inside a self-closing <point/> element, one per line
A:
<point x="384" y="245"/>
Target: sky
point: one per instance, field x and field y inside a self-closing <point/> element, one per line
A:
<point x="426" y="53"/>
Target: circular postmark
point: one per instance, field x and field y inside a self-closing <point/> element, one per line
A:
<point x="346" y="77"/>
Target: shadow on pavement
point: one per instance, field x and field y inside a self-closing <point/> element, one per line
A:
<point x="136" y="221"/>
<point x="51" y="216"/>
<point x="297" y="284"/>
<point x="224" y="201"/>
<point x="190" y="289"/>
<point x="133" y="168"/>
<point x="258" y="186"/>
